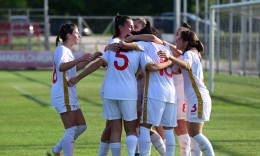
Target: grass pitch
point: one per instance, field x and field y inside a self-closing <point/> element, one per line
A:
<point x="29" y="126"/>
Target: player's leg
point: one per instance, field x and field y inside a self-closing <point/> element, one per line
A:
<point x="111" y="112"/>
<point x="81" y="123"/>
<point x="152" y="114"/>
<point x="129" y="115"/>
<point x="69" y="121"/>
<point x="105" y="140"/>
<point x="183" y="137"/>
<point x="195" y="127"/>
<point x="195" y="131"/>
<point x="131" y="136"/>
<point x="115" y="138"/>
<point x="168" y="121"/>
<point x="158" y="142"/>
<point x="145" y="139"/>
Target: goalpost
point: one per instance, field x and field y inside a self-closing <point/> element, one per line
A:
<point x="234" y="39"/>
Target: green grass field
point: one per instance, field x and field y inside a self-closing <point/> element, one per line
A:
<point x="29" y="126"/>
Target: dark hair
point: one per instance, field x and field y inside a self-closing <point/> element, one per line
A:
<point x="193" y="40"/>
<point x="146" y="30"/>
<point x="64" y="30"/>
<point x="186" y="25"/>
<point x="119" y="20"/>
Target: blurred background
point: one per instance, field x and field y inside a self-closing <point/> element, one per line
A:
<point x="229" y="29"/>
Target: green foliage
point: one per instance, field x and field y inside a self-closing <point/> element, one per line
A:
<point x="29" y="126"/>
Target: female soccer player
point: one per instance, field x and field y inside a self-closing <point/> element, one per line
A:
<point x="157" y="139"/>
<point x="198" y="101"/>
<point x="64" y="98"/>
<point x="181" y="129"/>
<point x="159" y="104"/>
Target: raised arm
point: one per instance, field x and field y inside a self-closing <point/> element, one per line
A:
<point x="83" y="64"/>
<point x="68" y="65"/>
<point x="93" y="67"/>
<point x="159" y="66"/>
<point x="145" y="37"/>
<point x="176" y="52"/>
<point x="180" y="63"/>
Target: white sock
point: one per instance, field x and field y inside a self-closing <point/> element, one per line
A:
<point x="68" y="141"/>
<point x="204" y="144"/>
<point x="170" y="142"/>
<point x="137" y="146"/>
<point x="194" y="148"/>
<point x="158" y="143"/>
<point x="184" y="141"/>
<point x="115" y="148"/>
<point x="58" y="147"/>
<point x="144" y="141"/>
<point x="131" y="142"/>
<point x="80" y="130"/>
<point x="103" y="149"/>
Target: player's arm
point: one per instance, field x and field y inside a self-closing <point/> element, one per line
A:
<point x="83" y="64"/>
<point x="180" y="63"/>
<point x="145" y="37"/>
<point x="113" y="47"/>
<point x="93" y="67"/>
<point x="128" y="46"/>
<point x="68" y="65"/>
<point x="159" y="66"/>
<point x="176" y="52"/>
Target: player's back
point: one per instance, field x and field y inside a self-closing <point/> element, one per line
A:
<point x="120" y="82"/>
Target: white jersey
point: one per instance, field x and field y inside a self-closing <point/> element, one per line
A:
<point x="61" y="94"/>
<point x="120" y="81"/>
<point x="111" y="41"/>
<point x="194" y="87"/>
<point x="159" y="85"/>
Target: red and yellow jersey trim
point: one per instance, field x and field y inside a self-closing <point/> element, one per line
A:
<point x="196" y="90"/>
<point x="66" y="92"/>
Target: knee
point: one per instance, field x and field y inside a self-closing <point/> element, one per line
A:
<point x="71" y="132"/>
<point x="81" y="128"/>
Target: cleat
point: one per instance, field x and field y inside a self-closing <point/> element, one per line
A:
<point x="50" y="152"/>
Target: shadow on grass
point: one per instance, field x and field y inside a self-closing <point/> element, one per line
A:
<point x="241" y="82"/>
<point x="235" y="102"/>
<point x="30" y="79"/>
<point x="43" y="103"/>
<point x="37" y="100"/>
<point x="219" y="146"/>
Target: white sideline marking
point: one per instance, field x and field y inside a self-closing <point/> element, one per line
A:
<point x="30" y="95"/>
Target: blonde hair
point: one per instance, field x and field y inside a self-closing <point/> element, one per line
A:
<point x="141" y="21"/>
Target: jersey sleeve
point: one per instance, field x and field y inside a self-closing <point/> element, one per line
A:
<point x="188" y="57"/>
<point x="114" y="40"/>
<point x="145" y="60"/>
<point x="141" y="45"/>
<point x="61" y="56"/>
<point x="104" y="57"/>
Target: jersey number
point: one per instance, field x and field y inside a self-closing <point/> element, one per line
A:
<point x="165" y="69"/>
<point x="124" y="66"/>
<point x="54" y="74"/>
<point x="194" y="108"/>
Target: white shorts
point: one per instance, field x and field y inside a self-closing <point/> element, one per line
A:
<point x="157" y="113"/>
<point x="196" y="113"/>
<point x="120" y="109"/>
<point x="63" y="109"/>
<point x="181" y="115"/>
<point x="178" y="82"/>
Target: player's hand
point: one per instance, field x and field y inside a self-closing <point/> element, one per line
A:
<point x="162" y="54"/>
<point x="96" y="55"/>
<point x="72" y="81"/>
<point x="86" y="57"/>
<point x="129" y="38"/>
<point x="112" y="47"/>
